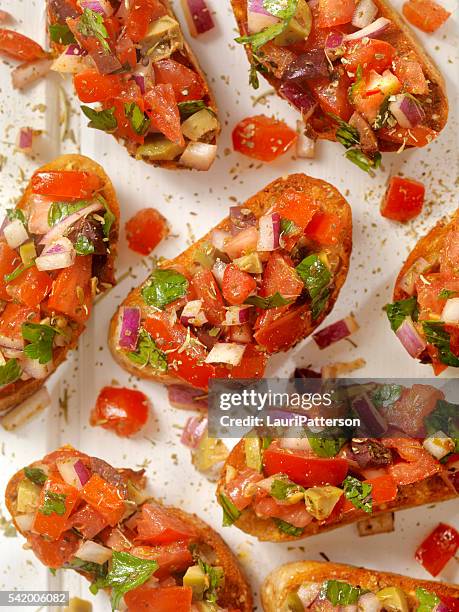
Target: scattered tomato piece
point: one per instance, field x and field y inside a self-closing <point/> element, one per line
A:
<point x="403" y="200"/>
<point x="263" y="138"/>
<point x="145" y="230"/>
<point x="438" y="548"/>
<point x="125" y="411"/>
<point x="426" y="15"/>
<point x="19" y="47"/>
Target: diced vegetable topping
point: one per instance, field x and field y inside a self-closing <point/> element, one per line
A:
<point x="404" y="199"/>
<point x="125" y="411"/>
<point x="438" y="548"/>
<point x="427" y="15"/>
<point x="263" y="138"/>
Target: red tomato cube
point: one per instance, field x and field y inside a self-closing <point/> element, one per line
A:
<point x="145" y="230"/>
<point x="404" y="199"/>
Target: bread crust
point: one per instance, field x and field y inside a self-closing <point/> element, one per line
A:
<point x="13" y="395"/>
<point x="429" y="491"/>
<point x="402" y="37"/>
<point x="290" y="576"/>
<point x="317" y="189"/>
<point x="236" y="592"/>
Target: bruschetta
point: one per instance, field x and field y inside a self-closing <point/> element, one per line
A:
<point x="354" y="70"/>
<point x="58" y="248"/>
<point x="257" y="284"/>
<point x="131" y="58"/>
<point x="78" y="512"/>
<point x="317" y="586"/>
<point x="281" y="489"/>
<point x="424" y="313"/>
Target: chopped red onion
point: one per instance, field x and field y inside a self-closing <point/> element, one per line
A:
<point x="305" y="146"/>
<point x="26" y="74"/>
<point x="269" y="232"/>
<point x="199" y="155"/>
<point x="35" y="369"/>
<point x="194" y="431"/>
<point x="25" y="521"/>
<point x="60" y="228"/>
<point x="226" y="352"/>
<point x="198" y="16"/>
<point x="76" y="477"/>
<point x="130" y="328"/>
<point x="74" y="49"/>
<point x="410" y="338"/>
<point x="92" y="552"/>
<point x="450" y="313"/>
<point x="186" y="397"/>
<point x="103" y="7"/>
<point x="258" y="18"/>
<point x="15" y="233"/>
<point x="236" y="315"/>
<point x="335" y="332"/>
<point x="364" y="14"/>
<point x="307" y="593"/>
<point x="372" y="419"/>
<point x="300" y="97"/>
<point x="82" y="472"/>
<point x="193" y="314"/>
<point x="72" y="61"/>
<point x="218" y="271"/>
<point x="407" y="111"/>
<point x="25" y="140"/>
<point x="408" y="281"/>
<point x="241" y="218"/>
<point x="334" y="40"/>
<point x="309" y="65"/>
<point x="442" y="607"/>
<point x="106" y="63"/>
<point x="368" y="602"/>
<point x="242" y="334"/>
<point x="295" y="443"/>
<point x="140" y="80"/>
<point x="11" y="343"/>
<point x="57" y="255"/>
<point x="371" y="31"/>
<point x="219" y="237"/>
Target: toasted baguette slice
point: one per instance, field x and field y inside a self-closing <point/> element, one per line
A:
<point x="291" y="576"/>
<point x="14" y="394"/>
<point x="234" y="593"/>
<point x="429" y="491"/>
<point x="58" y="11"/>
<point x="317" y="190"/>
<point x="400" y="35"/>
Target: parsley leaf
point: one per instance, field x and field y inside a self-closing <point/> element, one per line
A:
<point x="36" y="475"/>
<point x="109" y="217"/>
<point x="230" y="512"/>
<point x="61" y="210"/>
<point x="41" y="339"/>
<point x="272" y="301"/>
<point x="148" y="354"/>
<point x="326" y="447"/>
<point x="383" y="115"/>
<point x="164" y="287"/>
<point x="191" y="107"/>
<point x="18" y="271"/>
<point x="358" y="493"/>
<point x="289" y="227"/>
<point x="398" y="311"/>
<point x="53" y="503"/>
<point x="341" y="593"/>
<point x="140" y="123"/>
<point x="126" y="573"/>
<point x="427" y="601"/>
<point x="60" y="33"/>
<point x="98" y="570"/>
<point x="386" y="395"/>
<point x="10" y="372"/>
<point x="368" y="164"/>
<point x="16" y="213"/>
<point x="288" y="528"/>
<point x="284" y="10"/>
<point x="216" y="577"/>
<point x="92" y="24"/>
<point x="316" y="276"/>
<point x="104" y="120"/>
<point x="83" y="246"/>
<point x="437" y="335"/>
<point x="282" y="488"/>
<point x="446" y="294"/>
<point x="346" y="134"/>
<point x="444" y="418"/>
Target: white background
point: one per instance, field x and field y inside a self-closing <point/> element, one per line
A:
<point x="193" y="202"/>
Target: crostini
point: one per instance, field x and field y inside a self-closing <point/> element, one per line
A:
<point x="131" y="58"/>
<point x="257" y="284"/>
<point x="424" y="313"/>
<point x="281" y="489"/>
<point x="353" y="69"/>
<point x="58" y="248"/>
<point x="78" y="512"/>
<point x="312" y="585"/>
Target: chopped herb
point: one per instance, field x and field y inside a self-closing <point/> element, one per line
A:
<point x="83" y="246"/>
<point x="92" y="24"/>
<point x="10" y="372"/>
<point x="41" y="339"/>
<point x="326" y="447"/>
<point x="53" y="503"/>
<point x="288" y="528"/>
<point x="191" y="107"/>
<point x="230" y="512"/>
<point x="148" y="354"/>
<point x="62" y="210"/>
<point x="104" y="120"/>
<point x="216" y="579"/>
<point x="266" y="443"/>
<point x="368" y="164"/>
<point x="437" y="335"/>
<point x="61" y="34"/>
<point x="383" y="115"/>
<point x="341" y="593"/>
<point x="18" y="271"/>
<point x="346" y="134"/>
<point x="288" y="227"/>
<point x="398" y="311"/>
<point x="427" y="601"/>
<point x="98" y="570"/>
<point x="254" y="81"/>
<point x="16" y="213"/>
<point x="164" y="287"/>
<point x="316" y="276"/>
<point x="358" y="80"/>
<point x="265" y="303"/>
<point x="282" y="488"/>
<point x="36" y="475"/>
<point x="140" y="123"/>
<point x="446" y="294"/>
<point x="285" y="11"/>
<point x="358" y="493"/>
<point x="386" y="395"/>
<point x="444" y="418"/>
<point x="109" y="217"/>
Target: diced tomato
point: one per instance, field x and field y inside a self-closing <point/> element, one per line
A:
<point x="66" y="184"/>
<point x="105" y="498"/>
<point x="304" y="469"/>
<point x="283" y="332"/>
<point x="404" y="199"/>
<point x="438" y="548"/>
<point x="207" y="290"/>
<point x="280" y="276"/>
<point x="325" y="228"/>
<point x="449" y="255"/>
<point x="57" y="500"/>
<point x="238" y="488"/>
<point x="124" y="411"/>
<point x="186" y="83"/>
<point x="157" y="526"/>
<point x="126" y="51"/>
<point x="409" y="412"/>
<point x="113" y="27"/>
<point x="160" y="599"/>
<point x="117" y="539"/>
<point x="242" y="243"/>
<point x="263" y="138"/>
<point x="237" y="285"/>
<point x="428" y="293"/>
<point x="87" y="521"/>
<point x="140" y="15"/>
<point x="30" y="288"/>
<point x="91" y="86"/>
<point x="171" y="558"/>
<point x="333" y="96"/>
<point x="130" y="95"/>
<point x="451" y="602"/>
<point x="252" y="365"/>
<point x="426" y="15"/>
<point x="417" y="463"/>
<point x="370" y="92"/>
<point x="19" y="47"/>
<point x="71" y="294"/>
<point x="437" y="365"/>
<point x="419" y="136"/>
<point x="9" y="260"/>
<point x="296" y="206"/>
<point x="295" y="514"/>
<point x="145" y="230"/>
<point x="335" y="12"/>
<point x="54" y="553"/>
<point x="164" y="113"/>
<point x="411" y="75"/>
<point x="12" y="318"/>
<point x="369" y="53"/>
